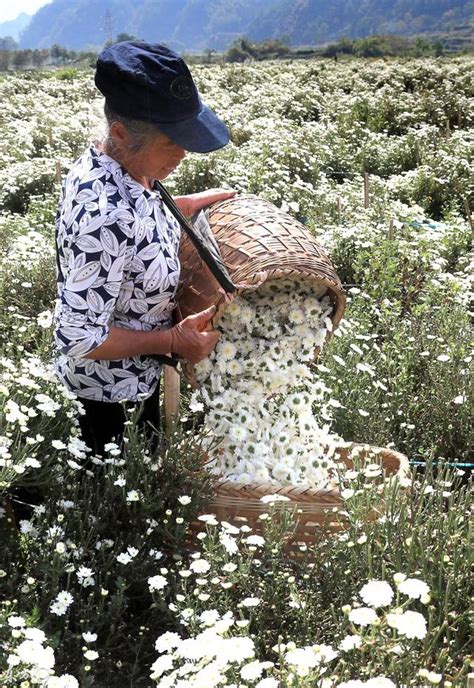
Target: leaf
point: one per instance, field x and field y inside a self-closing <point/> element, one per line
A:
<point x="159" y="309"/>
<point x="86" y="196"/>
<point x="106" y="260"/>
<point x="156" y="274"/>
<point x="109" y="241"/>
<point x="80" y="279"/>
<point x="149" y="252"/>
<point x="112" y="288"/>
<point x="79" y="260"/>
<point x="89" y="244"/>
<point x="74" y="300"/>
<point x="73" y="333"/>
<point x="125" y="389"/>
<point x="137" y="265"/>
<point x="94" y="393"/>
<point x="138" y="306"/>
<point x="104" y="373"/>
<point x="116" y="270"/>
<point x="88" y="225"/>
<point x="95" y="301"/>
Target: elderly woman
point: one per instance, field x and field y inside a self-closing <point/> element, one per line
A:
<point x="117" y="244"/>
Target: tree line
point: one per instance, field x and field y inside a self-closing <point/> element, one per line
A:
<point x="11" y="57"/>
<point x="241" y="50"/>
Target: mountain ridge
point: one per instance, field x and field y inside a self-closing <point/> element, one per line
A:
<point x="197" y="25"/>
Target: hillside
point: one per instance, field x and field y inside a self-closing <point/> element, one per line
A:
<point x="194" y="25"/>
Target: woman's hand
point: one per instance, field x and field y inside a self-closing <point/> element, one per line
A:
<point x="190" y="340"/>
<point x="193" y="202"/>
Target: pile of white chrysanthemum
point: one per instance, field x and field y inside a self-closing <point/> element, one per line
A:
<point x="266" y="414"/>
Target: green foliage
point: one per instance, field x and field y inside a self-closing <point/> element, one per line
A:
<point x="98" y="522"/>
<point x="385" y="45"/>
<point x="242" y="49"/>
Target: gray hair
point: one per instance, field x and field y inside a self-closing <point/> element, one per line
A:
<point x="141" y="132"/>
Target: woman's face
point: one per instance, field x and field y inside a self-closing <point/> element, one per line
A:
<point x="156" y="160"/>
<point x="159" y="158"/>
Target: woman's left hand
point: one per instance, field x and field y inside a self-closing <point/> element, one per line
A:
<point x="193" y="202"/>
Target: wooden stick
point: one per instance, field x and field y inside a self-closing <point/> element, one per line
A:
<point x="171" y="395"/>
<point x="366" y="190"/>
<point x="57" y="175"/>
<point x="448" y="129"/>
<point x="468" y="212"/>
<point x="390" y="230"/>
<point x="459" y="116"/>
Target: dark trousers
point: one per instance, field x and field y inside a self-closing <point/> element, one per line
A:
<point x="103" y="421"/>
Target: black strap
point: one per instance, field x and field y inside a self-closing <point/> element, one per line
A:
<point x="172" y="360"/>
<point x="206" y="248"/>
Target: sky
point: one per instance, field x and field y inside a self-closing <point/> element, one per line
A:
<point x="11" y="10"/>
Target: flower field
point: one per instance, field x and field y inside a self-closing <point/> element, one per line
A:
<point x="102" y="581"/>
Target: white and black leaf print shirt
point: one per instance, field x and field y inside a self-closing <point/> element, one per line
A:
<point x="118" y="265"/>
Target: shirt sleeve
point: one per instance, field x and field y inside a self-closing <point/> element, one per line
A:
<point x="93" y="262"/>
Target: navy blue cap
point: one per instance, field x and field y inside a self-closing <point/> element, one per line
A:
<point x="150" y="82"/>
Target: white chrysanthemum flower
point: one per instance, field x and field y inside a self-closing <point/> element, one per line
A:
<point x="167" y="642"/>
<point x="227" y="350"/>
<point x="156" y="583"/>
<point x="160" y="666"/>
<point x="89" y="637"/>
<point x="63" y="681"/>
<point x="229" y="543"/>
<point x="362" y="616"/>
<point x="200" y="566"/>
<point x="184" y="500"/>
<point x="410" y="624"/>
<point x="377" y="594"/>
<point x="414" y="588"/>
<point x="16" y="621"/>
<point x="33" y="653"/>
<point x="252" y="671"/>
<point x="306" y="658"/>
<point x="268" y="682"/>
<point x="269" y="499"/>
<point x="61" y="603"/>
<point x="250" y="602"/>
<point x="350" y="642"/>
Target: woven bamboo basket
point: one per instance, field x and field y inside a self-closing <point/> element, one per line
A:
<point x="317" y="511"/>
<point x="258" y="242"/>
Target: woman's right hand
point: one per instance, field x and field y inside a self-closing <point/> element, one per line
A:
<point x="190" y="339"/>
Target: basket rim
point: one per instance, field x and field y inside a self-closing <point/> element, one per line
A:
<point x="228" y="491"/>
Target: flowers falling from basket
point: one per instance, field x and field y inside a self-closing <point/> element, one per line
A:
<point x="266" y="413"/>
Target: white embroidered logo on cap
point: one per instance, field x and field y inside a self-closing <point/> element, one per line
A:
<point x="182" y="88"/>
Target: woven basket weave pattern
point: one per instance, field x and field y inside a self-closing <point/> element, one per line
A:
<point x="318" y="509"/>
<point x="257" y="242"/>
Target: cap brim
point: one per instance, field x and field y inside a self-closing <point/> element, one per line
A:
<point x="202" y="133"/>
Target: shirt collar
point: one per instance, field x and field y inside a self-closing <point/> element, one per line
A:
<point x="130" y="185"/>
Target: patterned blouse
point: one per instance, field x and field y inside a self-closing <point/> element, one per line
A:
<point x="117" y="255"/>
